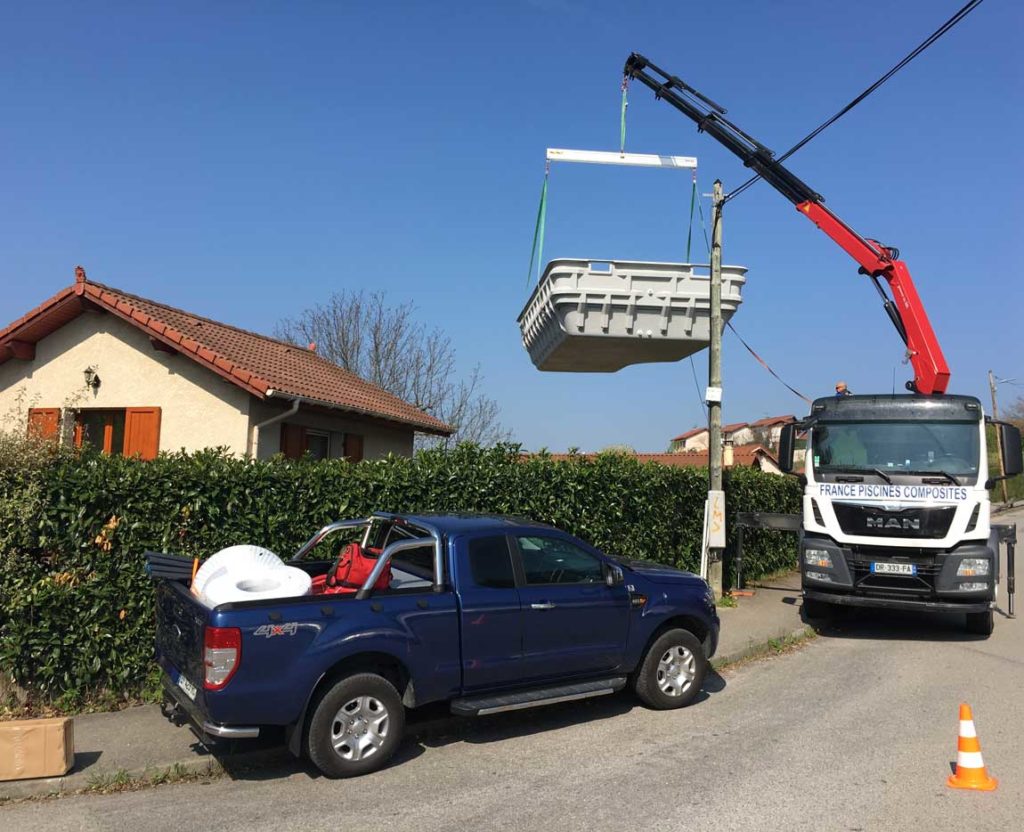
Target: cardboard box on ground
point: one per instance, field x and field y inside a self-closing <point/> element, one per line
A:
<point x="36" y="748"/>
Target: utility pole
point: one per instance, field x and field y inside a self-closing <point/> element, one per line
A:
<point x="999" y="439"/>
<point x="715" y="533"/>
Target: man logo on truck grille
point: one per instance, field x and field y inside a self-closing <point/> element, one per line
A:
<point x="906" y="523"/>
<point x="271" y="630"/>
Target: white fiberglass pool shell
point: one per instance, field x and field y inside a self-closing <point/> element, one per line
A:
<point x="247" y="573"/>
<point x="598" y="316"/>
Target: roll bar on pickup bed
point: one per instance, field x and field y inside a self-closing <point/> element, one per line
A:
<point x="436" y="540"/>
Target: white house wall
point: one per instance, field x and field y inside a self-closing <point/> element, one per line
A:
<point x="378" y="440"/>
<point x="198" y="408"/>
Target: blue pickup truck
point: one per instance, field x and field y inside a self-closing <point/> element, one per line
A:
<point x="486" y="613"/>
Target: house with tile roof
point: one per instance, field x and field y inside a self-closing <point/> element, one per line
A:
<point x="697" y="439"/>
<point x="767" y="430"/>
<point x="743" y="456"/>
<point x="97" y="365"/>
<point x="693" y="440"/>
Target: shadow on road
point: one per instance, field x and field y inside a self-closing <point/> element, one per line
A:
<point x="890" y="625"/>
<point x="433" y="726"/>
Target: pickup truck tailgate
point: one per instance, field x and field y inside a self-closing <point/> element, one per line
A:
<point x="180" y="620"/>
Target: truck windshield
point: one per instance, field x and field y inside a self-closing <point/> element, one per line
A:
<point x="913" y="447"/>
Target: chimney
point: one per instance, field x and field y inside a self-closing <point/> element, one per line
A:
<point x="727" y="458"/>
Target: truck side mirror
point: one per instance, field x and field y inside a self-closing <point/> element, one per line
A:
<point x="613" y="575"/>
<point x="1009" y="442"/>
<point x="786" y="439"/>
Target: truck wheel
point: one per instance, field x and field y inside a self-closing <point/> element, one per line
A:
<point x="356" y="726"/>
<point x="672" y="671"/>
<point x="980" y="623"/>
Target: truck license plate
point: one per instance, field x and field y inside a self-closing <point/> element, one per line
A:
<point x="894" y="568"/>
<point x="187" y="686"/>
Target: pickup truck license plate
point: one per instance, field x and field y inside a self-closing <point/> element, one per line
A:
<point x="187" y="686"/>
<point x="894" y="568"/>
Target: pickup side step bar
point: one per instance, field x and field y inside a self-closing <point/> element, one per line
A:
<point x="517" y="700"/>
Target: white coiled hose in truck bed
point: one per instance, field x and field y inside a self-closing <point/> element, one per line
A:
<point x="247" y="573"/>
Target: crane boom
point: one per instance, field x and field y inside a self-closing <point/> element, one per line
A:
<point x="904" y="308"/>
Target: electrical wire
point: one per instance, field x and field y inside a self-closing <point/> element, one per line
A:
<point x="965" y="10"/>
<point x="765" y="364"/>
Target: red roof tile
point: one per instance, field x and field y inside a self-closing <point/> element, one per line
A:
<point x="263" y="366"/>
<point x="735" y="426"/>
<point x="690" y="433"/>
<point x="769" y="421"/>
<point x="744" y="455"/>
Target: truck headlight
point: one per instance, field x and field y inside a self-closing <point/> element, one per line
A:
<point x="819" y="576"/>
<point x="973" y="586"/>
<point x="818" y="557"/>
<point x="971" y="567"/>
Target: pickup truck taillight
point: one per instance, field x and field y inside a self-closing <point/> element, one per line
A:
<point x="222" y="654"/>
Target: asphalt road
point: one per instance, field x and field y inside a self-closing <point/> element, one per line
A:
<point x="855" y="731"/>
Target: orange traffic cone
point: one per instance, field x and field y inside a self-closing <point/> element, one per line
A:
<point x="970" y="769"/>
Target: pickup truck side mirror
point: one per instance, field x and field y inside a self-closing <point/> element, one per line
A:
<point x="786" y="439"/>
<point x="613" y="575"/>
<point x="1009" y="444"/>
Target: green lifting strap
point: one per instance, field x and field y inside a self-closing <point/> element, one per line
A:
<point x="689" y="231"/>
<point x="622" y="117"/>
<point x="537" y="251"/>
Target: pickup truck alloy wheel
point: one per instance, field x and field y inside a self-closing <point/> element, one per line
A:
<point x="672" y="671"/>
<point x="360" y="728"/>
<point x="356" y="726"/>
<point x="676" y="671"/>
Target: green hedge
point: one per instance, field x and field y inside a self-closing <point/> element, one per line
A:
<point x="76" y="611"/>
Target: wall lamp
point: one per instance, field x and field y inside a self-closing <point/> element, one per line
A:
<point x="92" y="379"/>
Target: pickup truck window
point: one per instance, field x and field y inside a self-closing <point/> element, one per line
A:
<point x="491" y="562"/>
<point x="549" y="560"/>
<point x="418" y="562"/>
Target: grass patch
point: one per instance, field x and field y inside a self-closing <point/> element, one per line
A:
<point x="772" y="647"/>
<point x="111" y="782"/>
<point x="123" y="781"/>
<point x="726" y="601"/>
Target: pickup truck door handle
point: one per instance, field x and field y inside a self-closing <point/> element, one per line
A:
<point x="547" y="605"/>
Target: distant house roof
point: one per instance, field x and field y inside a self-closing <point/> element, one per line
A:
<point x="260" y="365"/>
<point x="689" y="434"/>
<point x="735" y="426"/>
<point x="744" y="455"/>
<point x="771" y="421"/>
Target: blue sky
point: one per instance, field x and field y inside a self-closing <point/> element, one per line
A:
<point x="243" y="160"/>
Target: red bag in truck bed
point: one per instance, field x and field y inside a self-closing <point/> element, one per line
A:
<point x="350" y="573"/>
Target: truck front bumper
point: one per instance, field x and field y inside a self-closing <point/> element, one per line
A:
<point x="846" y="575"/>
<point x="896" y="603"/>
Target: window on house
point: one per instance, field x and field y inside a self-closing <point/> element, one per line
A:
<point x="318" y="444"/>
<point x="297" y="440"/>
<point x="130" y="431"/>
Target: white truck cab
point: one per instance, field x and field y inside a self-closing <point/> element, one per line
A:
<point x="896" y="508"/>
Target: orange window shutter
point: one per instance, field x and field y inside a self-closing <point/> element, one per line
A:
<point x="44" y="422"/>
<point x="353" y="447"/>
<point x="293" y="440"/>
<point x="142" y="432"/>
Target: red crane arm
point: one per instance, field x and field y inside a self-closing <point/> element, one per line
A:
<point x="931" y="372"/>
<point x="905" y="310"/>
